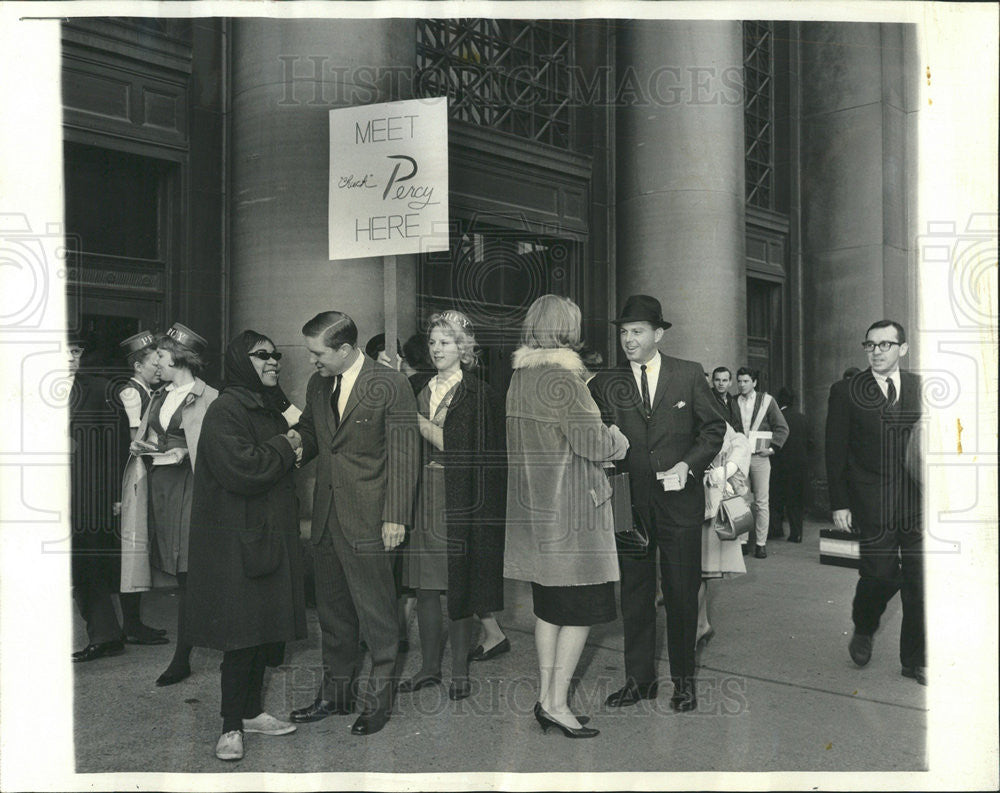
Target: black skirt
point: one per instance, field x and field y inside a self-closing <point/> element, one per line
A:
<point x="588" y="604"/>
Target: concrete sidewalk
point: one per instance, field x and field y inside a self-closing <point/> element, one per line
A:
<point x="777" y="692"/>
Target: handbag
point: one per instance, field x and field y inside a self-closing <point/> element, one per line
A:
<point x="734" y="518"/>
<point x="629" y="531"/>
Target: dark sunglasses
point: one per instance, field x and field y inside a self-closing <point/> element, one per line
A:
<point x="264" y="355"/>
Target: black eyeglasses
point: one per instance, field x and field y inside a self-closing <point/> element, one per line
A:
<point x="884" y="346"/>
<point x="264" y="355"/>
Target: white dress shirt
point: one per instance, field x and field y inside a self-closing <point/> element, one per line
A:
<point x="652" y="375"/>
<point x="883" y="382"/>
<point x="746" y="409"/>
<point x="132" y="401"/>
<point x="347" y="380"/>
<point x="440" y="387"/>
<point x="175" y="395"/>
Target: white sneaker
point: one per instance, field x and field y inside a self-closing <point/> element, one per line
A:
<point x="230" y="746"/>
<point x="266" y="724"/>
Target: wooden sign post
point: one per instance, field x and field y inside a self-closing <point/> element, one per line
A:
<point x="389" y="187"/>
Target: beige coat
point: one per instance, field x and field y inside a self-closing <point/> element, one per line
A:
<point x="560" y="530"/>
<point x="137" y="576"/>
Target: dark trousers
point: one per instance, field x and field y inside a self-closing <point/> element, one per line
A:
<point x="680" y="570"/>
<point x="242" y="684"/>
<point x="892" y="561"/>
<point x="788" y="495"/>
<point x="355" y="599"/>
<point x="98" y="610"/>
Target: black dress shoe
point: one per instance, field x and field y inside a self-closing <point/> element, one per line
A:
<point x="631" y="693"/>
<point x="459" y="689"/>
<point x="860" y="648"/>
<point x="485" y="655"/>
<point x="918" y="673"/>
<point x="370" y="723"/>
<point x="760" y="552"/>
<point x="145" y="635"/>
<point x="320" y="709"/>
<point x="102" y="650"/>
<point x="171" y="676"/>
<point x="795" y="539"/>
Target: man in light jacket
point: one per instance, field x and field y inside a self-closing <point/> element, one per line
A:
<point x="757" y="412"/>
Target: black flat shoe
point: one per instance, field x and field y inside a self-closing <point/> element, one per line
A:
<point x="485" y="655"/>
<point x="320" y="709"/>
<point x="860" y="648"/>
<point x="370" y="723"/>
<point x="546" y="721"/>
<point x="702" y="641"/>
<point x="171" y="676"/>
<point x="918" y="673"/>
<point x="102" y="650"/>
<point x="631" y="693"/>
<point x="145" y="635"/>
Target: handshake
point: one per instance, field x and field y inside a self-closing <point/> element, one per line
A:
<point x="295" y="440"/>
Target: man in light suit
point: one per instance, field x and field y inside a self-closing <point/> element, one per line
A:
<point x="666" y="410"/>
<point x="875" y="492"/>
<point x="360" y="420"/>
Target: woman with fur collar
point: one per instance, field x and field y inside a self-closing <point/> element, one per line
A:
<point x="560" y="532"/>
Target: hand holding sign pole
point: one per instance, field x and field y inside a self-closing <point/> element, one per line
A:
<point x="388" y="186"/>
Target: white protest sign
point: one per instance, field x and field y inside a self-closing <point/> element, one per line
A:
<point x="389" y="178"/>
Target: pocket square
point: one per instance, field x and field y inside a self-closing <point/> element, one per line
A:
<point x="680" y="404"/>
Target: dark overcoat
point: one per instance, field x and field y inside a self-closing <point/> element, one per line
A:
<point x="95" y="471"/>
<point x="243" y="481"/>
<point x="475" y="474"/>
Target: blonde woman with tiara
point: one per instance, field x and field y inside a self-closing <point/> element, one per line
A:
<point x="457" y="544"/>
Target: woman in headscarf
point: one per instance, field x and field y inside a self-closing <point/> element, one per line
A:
<point x="245" y="580"/>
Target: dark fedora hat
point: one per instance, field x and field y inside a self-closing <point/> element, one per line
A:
<point x="642" y="308"/>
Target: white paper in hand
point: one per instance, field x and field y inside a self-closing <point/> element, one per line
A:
<point x="292" y="415"/>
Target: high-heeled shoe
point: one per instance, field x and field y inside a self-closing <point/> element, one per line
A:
<point x="546" y="721"/>
<point x="703" y="640"/>
<point x="581" y="719"/>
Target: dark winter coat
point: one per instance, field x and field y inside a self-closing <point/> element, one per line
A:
<point x="243" y="483"/>
<point x="475" y="474"/>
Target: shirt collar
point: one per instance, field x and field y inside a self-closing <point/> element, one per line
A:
<point x="180" y="389"/>
<point x="449" y="381"/>
<point x="352" y="370"/>
<point x="748" y="397"/>
<point x="652" y="365"/>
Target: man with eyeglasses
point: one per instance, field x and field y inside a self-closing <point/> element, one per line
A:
<point x="876" y="494"/>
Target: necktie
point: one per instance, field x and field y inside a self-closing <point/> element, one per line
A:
<point x="890" y="396"/>
<point x="335" y="401"/>
<point x="645" y="391"/>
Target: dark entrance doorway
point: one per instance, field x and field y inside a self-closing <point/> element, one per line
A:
<point x="493" y="274"/>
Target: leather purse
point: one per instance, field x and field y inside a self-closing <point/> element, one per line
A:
<point x="629" y="531"/>
<point x="734" y="518"/>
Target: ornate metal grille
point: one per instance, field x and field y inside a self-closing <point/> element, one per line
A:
<point x="758" y="111"/>
<point x="508" y="74"/>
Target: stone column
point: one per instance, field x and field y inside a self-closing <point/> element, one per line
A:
<point x="858" y="177"/>
<point x="680" y="191"/>
<point x="286" y="76"/>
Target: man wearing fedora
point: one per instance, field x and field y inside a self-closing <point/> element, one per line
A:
<point x="666" y="410"/>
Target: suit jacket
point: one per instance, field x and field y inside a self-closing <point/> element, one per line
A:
<point x="866" y="450"/>
<point x="794" y="453"/>
<point x="725" y="405"/>
<point x="368" y="465"/>
<point x="773" y="421"/>
<point x="685" y="425"/>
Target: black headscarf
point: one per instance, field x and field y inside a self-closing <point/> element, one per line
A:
<point x="240" y="371"/>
